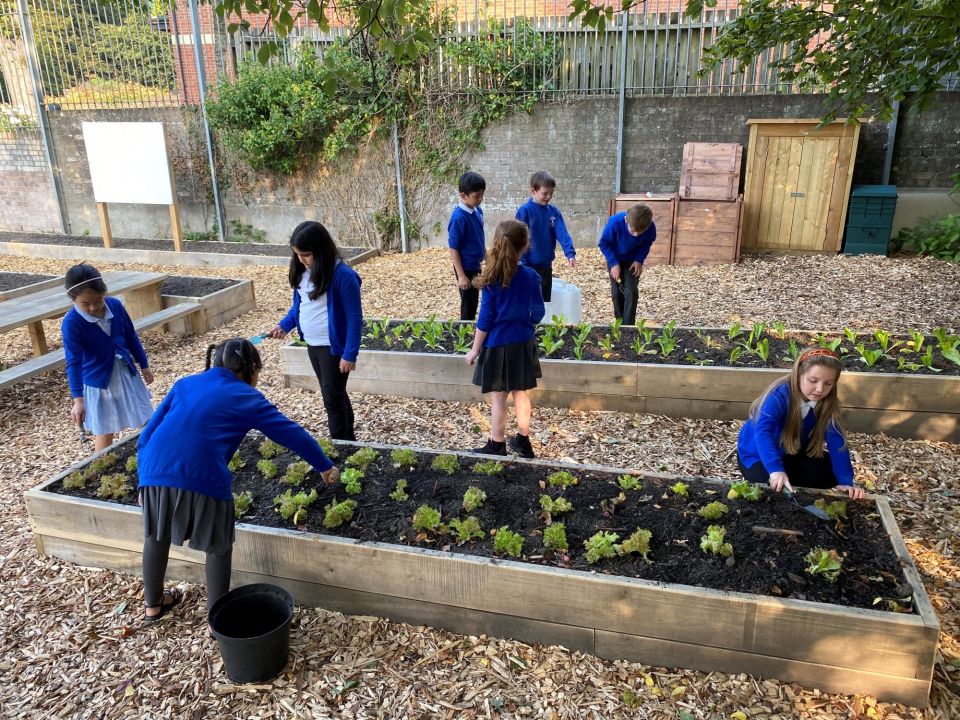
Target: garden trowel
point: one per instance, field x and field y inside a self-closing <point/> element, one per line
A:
<point x="812" y="509"/>
<point x="257" y="339"/>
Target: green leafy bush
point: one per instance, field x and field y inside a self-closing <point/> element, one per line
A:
<point x="241" y="503"/>
<point x="680" y="488"/>
<point x="628" y="482"/>
<point x="131" y="466"/>
<point x="507" y="542"/>
<point x="823" y="562"/>
<point x="350" y="479"/>
<point x="400" y="491"/>
<point x="489" y="467"/>
<point x="236" y="462"/>
<point x="937" y="238"/>
<point x="362" y="458"/>
<point x="448" y="464"/>
<point x="555" y="537"/>
<point x="102" y="464"/>
<point x="75" y="480"/>
<point x="473" y="498"/>
<point x="745" y="490"/>
<point x="562" y="478"/>
<point x="713" y="511"/>
<point x="267" y="468"/>
<point x="713" y="542"/>
<point x="336" y="514"/>
<point x="404" y="457"/>
<point x="638" y="542"/>
<point x="269" y="449"/>
<point x="426" y="519"/>
<point x="466" y="530"/>
<point x="292" y="506"/>
<point x="601" y="545"/>
<point x="556" y="506"/>
<point x="296" y="473"/>
<point x="114" y="486"/>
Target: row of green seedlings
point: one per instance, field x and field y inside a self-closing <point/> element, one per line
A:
<point x="947" y="343"/>
<point x="112" y="486"/>
<point x="432" y="332"/>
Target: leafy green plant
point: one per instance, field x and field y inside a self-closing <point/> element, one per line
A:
<point x="762" y="349"/>
<point x="293" y="506"/>
<point x="713" y="541"/>
<point x="448" y="464"/>
<point x="905" y="366"/>
<point x="329" y="449"/>
<point x="473" y="498"/>
<point x="638" y="542"/>
<point x="951" y="354"/>
<point x="779" y="329"/>
<point x="488" y="467"/>
<point x="580" y="339"/>
<point x="926" y="360"/>
<point x="75" y="480"/>
<point x="236" y="462"/>
<point x="102" y="464"/>
<point x="336" y="514"/>
<point x="609" y="505"/>
<point x="426" y="519"/>
<point x="735" y="331"/>
<point x="115" y="486"/>
<point x="713" y="511"/>
<point x="831" y="344"/>
<point x="555" y="537"/>
<point x="350" y="479"/>
<point x="466" y="530"/>
<point x="556" y="506"/>
<point x="400" y="491"/>
<point x="267" y="468"/>
<point x="944" y="339"/>
<point x="680" y="488"/>
<point x="241" y="503"/>
<point x="883" y="340"/>
<point x="296" y="473"/>
<point x="836" y="509"/>
<point x="507" y="542"/>
<point x="461" y="338"/>
<point x="851" y="335"/>
<point x="362" y="458"/>
<point x="550" y="343"/>
<point x="869" y="356"/>
<point x="917" y="339"/>
<point x="616" y="329"/>
<point x="793" y="353"/>
<point x="823" y="562"/>
<point x="269" y="449"/>
<point x="936" y="238"/>
<point x="606" y="346"/>
<point x="742" y="489"/>
<point x="756" y="332"/>
<point x="735" y="354"/>
<point x="403" y="457"/>
<point x="601" y="545"/>
<point x="563" y="478"/>
<point x="628" y="482"/>
<point x="667" y="343"/>
<point x="640" y="345"/>
<point x="131" y="466"/>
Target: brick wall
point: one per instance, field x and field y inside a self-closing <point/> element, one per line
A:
<point x="27" y="199"/>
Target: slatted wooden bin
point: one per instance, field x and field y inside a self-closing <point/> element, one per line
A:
<point x="710" y="171"/>
<point x="797" y="185"/>
<point x="664" y="206"/>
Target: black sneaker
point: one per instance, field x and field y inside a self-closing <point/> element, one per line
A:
<point x="491" y="448"/>
<point x="520" y="444"/>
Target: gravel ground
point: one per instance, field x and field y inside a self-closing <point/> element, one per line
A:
<point x="71" y="642"/>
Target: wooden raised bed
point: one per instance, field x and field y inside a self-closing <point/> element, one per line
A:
<point x="908" y="406"/>
<point x="216" y="309"/>
<point x="837" y="649"/>
<point x="16" y="292"/>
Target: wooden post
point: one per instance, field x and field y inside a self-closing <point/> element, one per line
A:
<point x="105" y="225"/>
<point x="175" y="226"/>
<point x="37" y="338"/>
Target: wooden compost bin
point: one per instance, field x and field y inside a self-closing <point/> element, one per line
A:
<point x="797" y="185"/>
<point x="664" y="208"/>
<point x="837" y="649"/>
<point x="216" y="309"/>
<point x="923" y="407"/>
<point x="707" y="232"/>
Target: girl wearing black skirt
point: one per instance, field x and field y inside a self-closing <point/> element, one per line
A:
<point x="504" y="347"/>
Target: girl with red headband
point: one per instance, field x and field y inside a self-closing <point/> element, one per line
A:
<point x="793" y="434"/>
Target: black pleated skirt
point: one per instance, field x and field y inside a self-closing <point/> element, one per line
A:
<point x="176" y="516"/>
<point x="506" y="368"/>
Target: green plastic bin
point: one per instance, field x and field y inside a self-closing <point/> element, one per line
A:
<point x="870" y="219"/>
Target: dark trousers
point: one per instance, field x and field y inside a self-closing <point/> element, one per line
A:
<point x="624" y="294"/>
<point x="469" y="298"/>
<point x="546" y="281"/>
<point x="803" y="471"/>
<point x="155" y="556"/>
<point x="333" y="386"/>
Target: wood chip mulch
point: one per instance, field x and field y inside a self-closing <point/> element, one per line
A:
<point x="72" y="644"/>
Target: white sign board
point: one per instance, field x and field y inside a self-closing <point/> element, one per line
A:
<point x="128" y="162"/>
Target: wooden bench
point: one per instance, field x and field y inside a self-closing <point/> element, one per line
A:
<point x="56" y="359"/>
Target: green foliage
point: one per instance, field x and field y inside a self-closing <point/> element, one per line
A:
<point x="555" y="537"/>
<point x="628" y="482"/>
<point x="296" y="473"/>
<point x="267" y="468"/>
<point x="507" y="542"/>
<point x="400" y="491"/>
<point x="713" y="511"/>
<point x="102" y="464"/>
<point x="601" y="545"/>
<point x="937" y="238"/>
<point x="292" y="506"/>
<point x="824" y="562"/>
<point x="269" y="449"/>
<point x="555" y="507"/>
<point x="563" y="478"/>
<point x="131" y="466"/>
<point x="426" y="519"/>
<point x="680" y="488"/>
<point x="241" y="503"/>
<point x="362" y="458"/>
<point x="473" y="498"/>
<point x="75" y="480"/>
<point x="713" y="541"/>
<point x="742" y="489"/>
<point x="638" y="542"/>
<point x="242" y="232"/>
<point x="609" y="505"/>
<point x="836" y="509"/>
<point x="403" y="457"/>
<point x="466" y="530"/>
<point x="350" y="479"/>
<point x="236" y="462"/>
<point x="488" y="467"/>
<point x="114" y="486"/>
<point x="336" y="514"/>
<point x="12" y="120"/>
<point x="329" y="449"/>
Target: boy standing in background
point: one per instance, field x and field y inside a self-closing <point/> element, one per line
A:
<point x="546" y="230"/>
<point x="466" y="241"/>
<point x="625" y="244"/>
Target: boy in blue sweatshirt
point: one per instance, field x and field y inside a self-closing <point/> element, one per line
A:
<point x="466" y="241"/>
<point x="625" y="243"/>
<point x="546" y="230"/>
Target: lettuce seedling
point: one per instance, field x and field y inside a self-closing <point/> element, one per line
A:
<point x="102" y="464"/>
<point x="473" y="498"/>
<point x="336" y="514"/>
<point x="448" y="464"/>
<point x="555" y="507"/>
<point x="76" y="480"/>
<point x="294" y="507"/>
<point x="362" y="458"/>
<point x="466" y="530"/>
<point x="236" y="462"/>
<point x="628" y="482"/>
<point x="507" y="542"/>
<point x="404" y="458"/>
<point x="713" y="542"/>
<point x="680" y="488"/>
<point x="426" y="519"/>
<point x="602" y="545"/>
<point x="241" y="503"/>
<point x="269" y="449"/>
<point x="713" y="511"/>
<point x="267" y="468"/>
<point x="329" y="449"/>
<point x="400" y="491"/>
<point x="562" y="478"/>
<point x="490" y="467"/>
<point x="131" y="465"/>
<point x="296" y="473"/>
<point x="609" y="505"/>
<point x="638" y="542"/>
<point x="745" y="490"/>
<point x="836" y="510"/>
<point x="114" y="486"/>
<point x="350" y="479"/>
<point x="823" y="562"/>
<point x="555" y="537"/>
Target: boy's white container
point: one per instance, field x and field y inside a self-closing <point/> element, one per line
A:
<point x="567" y="300"/>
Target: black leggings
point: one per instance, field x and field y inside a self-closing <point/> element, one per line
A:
<point x="155" y="556"/>
<point x="801" y="469"/>
<point x="333" y="386"/>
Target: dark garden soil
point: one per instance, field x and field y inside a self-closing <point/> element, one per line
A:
<point x="13" y="280"/>
<point x="762" y="563"/>
<point x="190" y="286"/>
<point x="703" y="347"/>
<point x="200" y="246"/>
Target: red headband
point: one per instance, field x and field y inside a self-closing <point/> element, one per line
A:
<point x="807" y="354"/>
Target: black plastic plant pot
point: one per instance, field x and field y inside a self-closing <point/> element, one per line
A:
<point x="252" y="627"/>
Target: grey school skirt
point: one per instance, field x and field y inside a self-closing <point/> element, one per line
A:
<point x="175" y="516"/>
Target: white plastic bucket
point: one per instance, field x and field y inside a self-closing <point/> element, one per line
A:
<point x="566" y="300"/>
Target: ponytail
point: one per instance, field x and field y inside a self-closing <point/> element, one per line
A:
<point x="237" y="355"/>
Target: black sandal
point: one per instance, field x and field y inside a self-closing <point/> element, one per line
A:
<point x="175" y="595"/>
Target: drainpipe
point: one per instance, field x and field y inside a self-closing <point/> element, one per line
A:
<point x="400" y="202"/>
<point x="618" y="181"/>
<point x="891" y="139"/>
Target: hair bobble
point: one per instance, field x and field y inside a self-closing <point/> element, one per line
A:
<point x="816" y="352"/>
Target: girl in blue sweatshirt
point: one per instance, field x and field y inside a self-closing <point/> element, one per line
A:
<point x="793" y="435"/>
<point x="327" y="315"/>
<point x="182" y="456"/>
<point x="504" y="347"/>
<point x="102" y="351"/>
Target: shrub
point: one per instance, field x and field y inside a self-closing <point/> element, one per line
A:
<point x="466" y="530"/>
<point x="601" y="545"/>
<point x="473" y="498"/>
<point x="362" y="458"/>
<point x="713" y="511"/>
<point x="336" y="514"/>
<point x="555" y="537"/>
<point x="937" y="238"/>
<point x="448" y="464"/>
<point x="507" y="542"/>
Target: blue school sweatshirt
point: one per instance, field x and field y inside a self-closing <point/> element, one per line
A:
<point x="344" y="313"/>
<point x="546" y="230"/>
<point x="465" y="234"/>
<point x="199" y="426"/>
<point x="90" y="354"/>
<point x="759" y="439"/>
<point x="510" y="314"/>
<point x="618" y="245"/>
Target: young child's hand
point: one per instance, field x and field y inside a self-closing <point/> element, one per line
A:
<point x="471" y="356"/>
<point x="147" y="375"/>
<point x="463" y="282"/>
<point x="78" y="411"/>
<point x="853" y="492"/>
<point x="278" y="333"/>
<point x="347" y="366"/>
<point x="572" y="262"/>
<point x="615" y="272"/>
<point x="779" y="481"/>
<point x="636" y="269"/>
<point x="331" y="476"/>
<point x="477" y="281"/>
